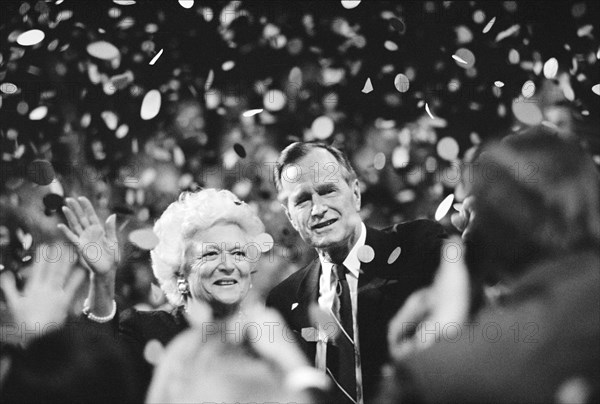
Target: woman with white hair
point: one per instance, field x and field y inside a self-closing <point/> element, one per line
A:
<point x="208" y="247"/>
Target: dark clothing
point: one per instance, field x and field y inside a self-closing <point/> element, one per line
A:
<point x="545" y="333"/>
<point x="383" y="286"/>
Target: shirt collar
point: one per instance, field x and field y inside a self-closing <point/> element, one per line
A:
<point x="351" y="262"/>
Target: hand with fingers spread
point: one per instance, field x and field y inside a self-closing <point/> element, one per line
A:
<point x="46" y="298"/>
<point x="419" y="322"/>
<point x="98" y="245"/>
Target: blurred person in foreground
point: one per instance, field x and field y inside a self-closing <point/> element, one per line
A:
<point x="255" y="366"/>
<point x="207" y="249"/>
<point x="43" y="358"/>
<point x="361" y="277"/>
<point x="536" y="231"/>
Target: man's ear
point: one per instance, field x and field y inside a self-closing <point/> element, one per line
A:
<point x="287" y="214"/>
<point x="356" y="193"/>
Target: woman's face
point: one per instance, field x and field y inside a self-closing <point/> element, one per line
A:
<point x="220" y="265"/>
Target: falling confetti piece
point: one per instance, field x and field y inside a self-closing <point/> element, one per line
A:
<point x="144" y="238"/>
<point x="150" y="105"/>
<point x="265" y="242"/>
<point x="8" y="88"/>
<point x="550" y="68"/>
<point x="528" y="89"/>
<point x="186" y="3"/>
<point x="31" y="37"/>
<point x="350" y="4"/>
<point x="458" y="59"/>
<point x="40" y="172"/>
<point x="226" y="66"/>
<point x="38" y="113"/>
<point x="527" y="112"/>
<point x="153" y="352"/>
<point x="252" y="112"/>
<point x="398" y="25"/>
<point x="209" y="80"/>
<point x="489" y="26"/>
<point x="122" y="131"/>
<point x="447" y="148"/>
<point x="103" y="50"/>
<point x="596" y="89"/>
<point x="322" y="127"/>
<point x="508" y="32"/>
<point x="123" y="2"/>
<point x="499" y="84"/>
<point x="379" y="161"/>
<point x="274" y="100"/>
<point x="400" y="157"/>
<point x="26" y="239"/>
<point x="401" y="83"/>
<point x="155" y="58"/>
<point x="239" y="150"/>
<point x="368" y="87"/>
<point x="585" y="30"/>
<point x="444" y="207"/>
<point x="110" y="119"/>
<point x="391" y="46"/>
<point x="394" y="255"/>
<point x="365" y="254"/>
<point x="428" y="111"/>
<point x="465" y="58"/>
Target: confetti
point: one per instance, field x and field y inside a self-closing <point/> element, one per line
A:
<point x="368" y="87"/>
<point x="31" y="37"/>
<point x="398" y="25"/>
<point x="110" y="119"/>
<point x="322" y="127"/>
<point x="209" y="80"/>
<point x="123" y="2"/>
<point x="155" y="58"/>
<point x="365" y="254"/>
<point x="586" y="30"/>
<point x="186" y="3"/>
<point x="394" y="255"/>
<point x="265" y="242"/>
<point x="228" y="65"/>
<point x="401" y="83"/>
<point x="489" y="26"/>
<point x="274" y="100"/>
<point x="428" y="111"/>
<point x="379" y="161"/>
<point x="444" y="207"/>
<point x="391" y="46"/>
<point x="153" y="352"/>
<point x="458" y="59"/>
<point x="447" y="148"/>
<point x="239" y="150"/>
<point x="144" y="238"/>
<point x="122" y="131"/>
<point x="8" y="88"/>
<point x="508" y="32"/>
<point x="150" y="105"/>
<point x="528" y="89"/>
<point x="350" y="4"/>
<point x="465" y="58"/>
<point x="596" y="89"/>
<point x="499" y="84"/>
<point x="400" y="157"/>
<point x="252" y="112"/>
<point x="103" y="50"/>
<point x="550" y="68"/>
<point x="38" y="113"/>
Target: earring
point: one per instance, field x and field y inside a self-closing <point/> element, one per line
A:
<point x="183" y="286"/>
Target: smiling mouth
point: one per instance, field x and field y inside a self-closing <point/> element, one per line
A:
<point x="225" y="282"/>
<point x="321" y="225"/>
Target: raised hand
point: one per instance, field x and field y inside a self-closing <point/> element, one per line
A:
<point x="462" y="219"/>
<point x="46" y="298"/>
<point x="96" y="243"/>
<point x="445" y="302"/>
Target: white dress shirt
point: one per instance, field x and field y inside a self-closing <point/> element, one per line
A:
<point x="326" y="297"/>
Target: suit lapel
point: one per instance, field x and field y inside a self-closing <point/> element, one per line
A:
<point x="307" y="293"/>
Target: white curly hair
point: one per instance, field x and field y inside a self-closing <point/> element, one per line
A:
<point x="194" y="212"/>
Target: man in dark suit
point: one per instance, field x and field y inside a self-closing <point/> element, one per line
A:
<point x="362" y="275"/>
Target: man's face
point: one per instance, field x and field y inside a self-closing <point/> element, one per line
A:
<point x="319" y="202"/>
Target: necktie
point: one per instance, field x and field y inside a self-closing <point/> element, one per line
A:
<point x="341" y="361"/>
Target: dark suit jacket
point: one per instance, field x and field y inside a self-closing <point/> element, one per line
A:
<point x="382" y="289"/>
<point x="134" y="329"/>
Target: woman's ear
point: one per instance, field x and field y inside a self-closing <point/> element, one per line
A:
<point x="356" y="193"/>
